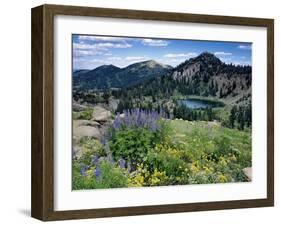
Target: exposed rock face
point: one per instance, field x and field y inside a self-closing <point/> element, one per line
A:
<point x="100" y="114"/>
<point x="190" y="71"/>
<point x="86" y="131"/>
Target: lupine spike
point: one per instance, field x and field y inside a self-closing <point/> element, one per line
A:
<point x="140" y="118"/>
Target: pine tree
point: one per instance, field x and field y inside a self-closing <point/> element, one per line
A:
<point x="248" y="115"/>
<point x="241" y="118"/>
<point x="221" y="93"/>
<point x="232" y="116"/>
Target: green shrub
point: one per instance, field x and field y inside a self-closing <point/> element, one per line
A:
<point x="223" y="146"/>
<point x="90" y="147"/>
<point x="86" y="115"/>
<point x="168" y="160"/>
<point x="132" y="144"/>
<point x="108" y="176"/>
<point x="111" y="176"/>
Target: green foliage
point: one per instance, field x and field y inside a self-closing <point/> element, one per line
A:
<point x="232" y="116"/>
<point x="132" y="144"/>
<point x="87" y="114"/>
<point x="165" y="159"/>
<point x="213" y="153"/>
<point x="182" y="152"/>
<point x="90" y="147"/>
<point x="240" y="117"/>
<point x="183" y="112"/>
<point x="111" y="176"/>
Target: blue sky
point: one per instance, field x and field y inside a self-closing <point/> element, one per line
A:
<point x="91" y="51"/>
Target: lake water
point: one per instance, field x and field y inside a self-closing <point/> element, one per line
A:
<point x="197" y="104"/>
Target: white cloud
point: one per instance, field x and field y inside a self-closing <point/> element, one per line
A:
<point x="177" y="55"/>
<point x="154" y="42"/>
<point x="225" y="59"/>
<point x="97" y="61"/>
<point x="98" y="48"/>
<point x="246" y="63"/>
<point x="82" y="46"/>
<point x="101" y="46"/>
<point x="235" y="62"/>
<point x="83" y="60"/>
<point x="114" y="58"/>
<point x="244" y="47"/>
<point x="101" y="38"/>
<point x="81" y="53"/>
<point x="222" y="54"/>
<point x="136" y="58"/>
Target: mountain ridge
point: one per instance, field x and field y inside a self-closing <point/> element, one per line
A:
<point x="110" y="76"/>
<point x="204" y="75"/>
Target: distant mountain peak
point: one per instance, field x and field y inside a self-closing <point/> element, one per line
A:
<point x="105" y="66"/>
<point x="209" y="57"/>
<point x="205" y="59"/>
<point x="206" y="54"/>
<point x="153" y="63"/>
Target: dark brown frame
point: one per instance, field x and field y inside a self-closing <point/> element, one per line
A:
<point x="42" y="203"/>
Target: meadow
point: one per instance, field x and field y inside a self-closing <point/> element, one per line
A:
<point x="149" y="148"/>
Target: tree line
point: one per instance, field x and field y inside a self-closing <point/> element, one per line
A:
<point x="240" y="117"/>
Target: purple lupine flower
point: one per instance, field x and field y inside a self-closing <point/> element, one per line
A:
<point x="97" y="172"/>
<point x="83" y="170"/>
<point x="139" y="118"/>
<point x="95" y="160"/>
<point x="122" y="163"/>
<point x="117" y="122"/>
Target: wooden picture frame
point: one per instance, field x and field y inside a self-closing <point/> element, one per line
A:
<point x="42" y="203"/>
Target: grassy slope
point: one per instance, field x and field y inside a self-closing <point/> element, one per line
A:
<point x="203" y="137"/>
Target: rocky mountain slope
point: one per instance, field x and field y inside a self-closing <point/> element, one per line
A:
<point x="206" y="75"/>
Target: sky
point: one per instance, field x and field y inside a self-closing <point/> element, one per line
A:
<point x="91" y="51"/>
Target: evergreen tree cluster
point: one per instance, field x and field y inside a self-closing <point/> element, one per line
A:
<point x="240" y="117"/>
<point x="185" y="113"/>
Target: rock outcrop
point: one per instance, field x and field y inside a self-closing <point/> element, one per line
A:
<point x="101" y="115"/>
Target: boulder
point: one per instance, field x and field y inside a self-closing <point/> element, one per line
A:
<point x="100" y="114"/>
<point x="77" y="123"/>
<point x="86" y="131"/>
<point x="248" y="172"/>
<point x="78" y="107"/>
<point x="113" y="103"/>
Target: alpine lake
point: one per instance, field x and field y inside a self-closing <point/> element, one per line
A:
<point x="194" y="103"/>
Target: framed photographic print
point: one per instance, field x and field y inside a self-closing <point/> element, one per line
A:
<point x="141" y="112"/>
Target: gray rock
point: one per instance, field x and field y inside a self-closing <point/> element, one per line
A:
<point x="100" y="114"/>
<point x="77" y="123"/>
<point x="248" y="172"/>
<point x="78" y="107"/>
<point x="75" y="152"/>
<point x="113" y="103"/>
<point x="86" y="131"/>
